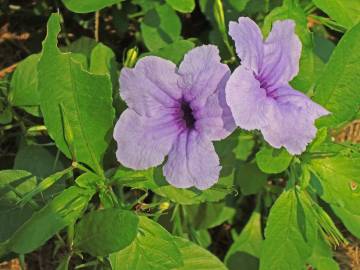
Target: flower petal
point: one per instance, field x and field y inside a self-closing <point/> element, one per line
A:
<point x="248" y="42"/>
<point x="192" y="162"/>
<point x="289" y="128"/>
<point x="282" y="50"/>
<point x="143" y="142"/>
<point x="215" y="118"/>
<point x="201" y="72"/>
<point x="291" y="116"/>
<point x="151" y="86"/>
<point x="286" y="94"/>
<point x="246" y="99"/>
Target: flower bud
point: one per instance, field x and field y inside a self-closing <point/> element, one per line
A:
<point x="164" y="206"/>
<point x="131" y="57"/>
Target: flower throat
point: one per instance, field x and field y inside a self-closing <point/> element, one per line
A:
<point x="188" y="116"/>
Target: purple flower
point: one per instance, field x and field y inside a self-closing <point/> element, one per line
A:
<point x="258" y="91"/>
<point x="175" y="112"/>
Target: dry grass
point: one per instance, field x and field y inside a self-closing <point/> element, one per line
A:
<point x="348" y="256"/>
<point x="11" y="265"/>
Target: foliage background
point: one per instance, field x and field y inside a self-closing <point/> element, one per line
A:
<point x="64" y="201"/>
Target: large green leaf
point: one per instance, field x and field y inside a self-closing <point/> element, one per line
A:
<point x="13" y="185"/>
<point x="289" y="232"/>
<point x="246" y="248"/>
<point x="106" y="231"/>
<point x="74" y="101"/>
<point x="195" y="257"/>
<point x="174" y="52"/>
<point x="337" y="88"/>
<point x="334" y="181"/>
<point x="351" y="221"/>
<point x="153" y="249"/>
<point x="81" y="6"/>
<point x="62" y="211"/>
<point x="321" y="257"/>
<point x="161" y="26"/>
<point x="308" y="64"/>
<point x="184" y="6"/>
<point x="345" y="12"/>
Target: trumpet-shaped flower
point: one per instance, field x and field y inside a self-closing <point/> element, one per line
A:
<point x="175" y="112"/>
<point x="258" y="91"/>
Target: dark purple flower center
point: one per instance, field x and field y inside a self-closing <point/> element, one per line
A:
<point x="188" y="115"/>
<point x="265" y="85"/>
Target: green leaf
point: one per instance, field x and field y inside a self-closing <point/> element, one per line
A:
<point x="153" y="179"/>
<point x="81" y="6"/>
<point x="321" y="136"/>
<point x="195" y="257"/>
<point x="202" y="237"/>
<point x="23" y="87"/>
<point x="208" y="215"/>
<point x="321" y="257"/>
<point x="174" y="52"/>
<point x="84" y="46"/>
<point x="334" y="181"/>
<point x="161" y="26"/>
<point x="289" y="232"/>
<point x="103" y="62"/>
<point x="13" y="185"/>
<point x="323" y="47"/>
<point x="90" y="180"/>
<point x="247" y="246"/>
<point x="308" y="64"/>
<point x="272" y="160"/>
<point x="95" y="234"/>
<point x="193" y="195"/>
<point x="85" y="98"/>
<point x="153" y="249"/>
<point x="6" y="115"/>
<point x="350" y="220"/>
<point x="244" y="146"/>
<point x="62" y="211"/>
<point x="250" y="179"/>
<point x="238" y="5"/>
<point x="45" y="184"/>
<point x="345" y="12"/>
<point x="337" y="87"/>
<point x="184" y="6"/>
<point x="146" y="5"/>
<point x="38" y="160"/>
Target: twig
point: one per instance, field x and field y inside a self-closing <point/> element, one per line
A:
<point x="97" y="19"/>
<point x="7" y="70"/>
